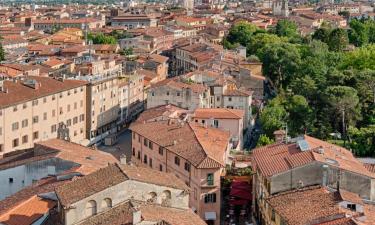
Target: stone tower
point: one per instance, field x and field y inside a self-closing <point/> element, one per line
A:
<point x="280" y="8"/>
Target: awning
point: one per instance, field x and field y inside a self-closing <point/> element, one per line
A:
<point x="240" y="194"/>
<point x="238" y="202"/>
<point x="210" y="215"/>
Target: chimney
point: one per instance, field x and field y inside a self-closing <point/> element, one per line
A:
<point x="137" y="215"/>
<point x="280" y="136"/>
<point x="325" y="176"/>
<point x="123" y="159"/>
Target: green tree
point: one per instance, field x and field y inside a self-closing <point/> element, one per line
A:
<point x="2" y="52"/>
<point x="362" y="141"/>
<point x="344" y="101"/>
<point x="280" y="62"/>
<point x="240" y="33"/>
<point x="260" y="40"/>
<point x="286" y="28"/>
<point x="273" y="117"/>
<point x="338" y="40"/>
<point x="127" y="51"/>
<point x="300" y="117"/>
<point x="264" y="140"/>
<point x="101" y="38"/>
<point x="360" y="59"/>
<point x="322" y="34"/>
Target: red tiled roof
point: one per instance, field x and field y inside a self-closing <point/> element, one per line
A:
<point x="19" y="93"/>
<point x="222" y="113"/>
<point x="27" y="212"/>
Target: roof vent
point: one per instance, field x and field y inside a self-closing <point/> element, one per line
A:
<point x="320" y="150"/>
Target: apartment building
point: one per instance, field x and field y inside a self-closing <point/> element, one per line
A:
<point x="224" y="92"/>
<point x="195" y="154"/>
<point x="131" y="97"/>
<point x="132" y="21"/>
<point x="305" y="162"/>
<point x="231" y="120"/>
<point x="180" y="92"/>
<point x="33" y="109"/>
<point x="91" y="23"/>
<point x="196" y="56"/>
<point x="102" y="96"/>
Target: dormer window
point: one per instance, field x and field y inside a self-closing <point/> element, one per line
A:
<point x="352" y="207"/>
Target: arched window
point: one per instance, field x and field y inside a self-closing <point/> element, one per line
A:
<point x="152" y="197"/>
<point x="91" y="208"/>
<point x="166" y="198"/>
<point x="106" y="203"/>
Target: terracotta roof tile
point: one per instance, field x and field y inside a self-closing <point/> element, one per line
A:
<point x="27" y="212"/>
<point x="170" y="215"/>
<point x="307" y="206"/>
<point x="222" y="113"/>
<point x="18" y="93"/>
<point x="148" y="175"/>
<point x="190" y="141"/>
<point x="86" y="186"/>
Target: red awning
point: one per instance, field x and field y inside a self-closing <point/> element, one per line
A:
<point x="239" y="193"/>
<point x="238" y="202"/>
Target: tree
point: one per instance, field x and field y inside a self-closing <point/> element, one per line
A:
<point x="286" y="28"/>
<point x="360" y="59"/>
<point x="260" y="40"/>
<point x="358" y="33"/>
<point x="240" y="33"/>
<point x="362" y="140"/>
<point x="264" y="140"/>
<point x="280" y="62"/>
<point x="300" y="117"/>
<point x="344" y="101"/>
<point x="322" y="34"/>
<point x="100" y="38"/>
<point x="127" y="51"/>
<point x="338" y="40"/>
<point x="272" y="118"/>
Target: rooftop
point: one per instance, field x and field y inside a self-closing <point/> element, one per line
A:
<point x="222" y="113"/>
<point x="18" y="93"/>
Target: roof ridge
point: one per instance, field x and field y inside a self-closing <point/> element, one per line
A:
<point x="195" y="135"/>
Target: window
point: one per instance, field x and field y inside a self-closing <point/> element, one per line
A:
<point x="75" y="105"/>
<point x="82" y="117"/>
<point x="25" y="139"/>
<point x="68" y="108"/>
<point x="24" y="123"/>
<point x="106" y="203"/>
<point x="35" y="135"/>
<point x="44" y="100"/>
<point x="1" y="147"/>
<point x="1" y="131"/>
<point x="178" y="93"/>
<point x="15" y="126"/>
<point x="24" y="106"/>
<point x="53" y="97"/>
<point x="91" y="208"/>
<point x="145" y="159"/>
<point x="10" y="179"/>
<point x="139" y="138"/>
<point x="145" y="142"/>
<point x="133" y="135"/>
<point x="210" y="179"/>
<point x="35" y="119"/>
<point x="150" y="162"/>
<point x="187" y="167"/>
<point x="352" y="207"/>
<point x="69" y="122"/>
<point x="230" y="99"/>
<point x="160" y="150"/>
<point x="161" y="168"/>
<point x="35" y="103"/>
<point x="150" y="145"/>
<point x="133" y="152"/>
<point x="15" y="109"/>
<point x="216" y="123"/>
<point x="61" y="110"/>
<point x="167" y="92"/>
<point x="75" y="120"/>
<point x="53" y="128"/>
<point x="177" y="160"/>
<point x="139" y="155"/>
<point x="203" y="121"/>
<point x="53" y="113"/>
<point x="45" y="116"/>
<point x="210" y="198"/>
<point x="15" y="142"/>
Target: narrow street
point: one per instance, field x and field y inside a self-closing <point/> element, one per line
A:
<point x="123" y="146"/>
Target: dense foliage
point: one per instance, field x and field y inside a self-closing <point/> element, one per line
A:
<point x="323" y="85"/>
<point x="101" y="38"/>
